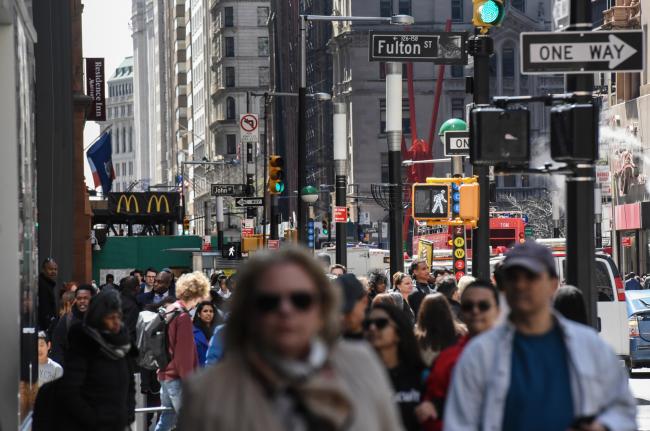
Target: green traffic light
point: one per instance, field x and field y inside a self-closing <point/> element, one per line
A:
<point x="279" y="187"/>
<point x="490" y="12"/>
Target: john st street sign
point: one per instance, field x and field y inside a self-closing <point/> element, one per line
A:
<point x="433" y="47"/>
<point x="579" y="52"/>
<point x="226" y="189"/>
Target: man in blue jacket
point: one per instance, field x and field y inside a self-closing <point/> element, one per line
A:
<point x="538" y="371"/>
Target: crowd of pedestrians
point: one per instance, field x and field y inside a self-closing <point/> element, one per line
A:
<point x="294" y="343"/>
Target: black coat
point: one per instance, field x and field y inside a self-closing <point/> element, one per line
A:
<point x="60" y="334"/>
<point x="415" y="298"/>
<point x="96" y="392"/>
<point x="130" y="311"/>
<point x="47" y="301"/>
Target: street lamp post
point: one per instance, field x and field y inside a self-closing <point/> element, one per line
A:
<point x="394" y="138"/>
<point x="340" y="157"/>
<point x="302" y="102"/>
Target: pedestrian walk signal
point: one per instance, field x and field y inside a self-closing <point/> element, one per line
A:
<point x="488" y="13"/>
<point x="431" y="201"/>
<point x="276" y="175"/>
<point x="446" y="201"/>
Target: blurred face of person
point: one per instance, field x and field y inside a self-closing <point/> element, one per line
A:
<point x="150" y="278"/>
<point x="528" y="293"/>
<point x="207" y="315"/>
<point x="43" y="348"/>
<point x="337" y="272"/>
<point x="479" y="310"/>
<point x="380" y="330"/>
<point x="287" y="310"/>
<point x="82" y="299"/>
<point x="112" y="322"/>
<point x="353" y="321"/>
<point x="138" y="277"/>
<point x="421" y="273"/>
<point x="51" y="270"/>
<point x="163" y="280"/>
<point x="380" y="287"/>
<point x="406" y="286"/>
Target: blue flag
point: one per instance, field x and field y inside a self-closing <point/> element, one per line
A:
<point x="100" y="159"/>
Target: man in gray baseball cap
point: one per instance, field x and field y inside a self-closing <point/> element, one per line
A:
<point x="538" y="370"/>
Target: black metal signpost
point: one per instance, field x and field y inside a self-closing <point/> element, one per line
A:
<point x="432" y="47"/>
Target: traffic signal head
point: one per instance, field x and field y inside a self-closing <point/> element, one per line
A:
<point x="499" y="137"/>
<point x="455" y="199"/>
<point x="469" y="201"/>
<point x="276" y="175"/>
<point x="186" y="225"/>
<point x="488" y="13"/>
<point x="325" y="226"/>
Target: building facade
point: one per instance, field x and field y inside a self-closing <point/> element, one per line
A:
<point x="360" y="84"/>
<point x="239" y="66"/>
<point x="120" y="122"/>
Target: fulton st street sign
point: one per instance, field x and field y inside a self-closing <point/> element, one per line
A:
<point x="579" y="52"/>
<point x="435" y="47"/>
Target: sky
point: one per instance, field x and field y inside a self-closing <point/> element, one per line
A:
<point x="107" y="34"/>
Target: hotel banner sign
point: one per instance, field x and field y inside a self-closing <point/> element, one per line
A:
<point x="95" y="89"/>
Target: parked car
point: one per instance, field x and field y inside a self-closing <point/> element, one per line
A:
<point x="638" y="311"/>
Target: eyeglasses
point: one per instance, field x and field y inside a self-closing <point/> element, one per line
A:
<point x="468" y="306"/>
<point x="267" y="302"/>
<point x="380" y="323"/>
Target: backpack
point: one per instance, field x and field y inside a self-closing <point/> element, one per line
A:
<point x="152" y="338"/>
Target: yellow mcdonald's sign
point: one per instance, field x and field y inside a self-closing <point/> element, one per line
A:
<point x="158" y="200"/>
<point x="131" y="199"/>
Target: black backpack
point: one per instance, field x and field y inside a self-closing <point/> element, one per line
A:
<point x="152" y="338"/>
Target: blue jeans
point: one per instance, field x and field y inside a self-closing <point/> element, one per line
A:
<point x="170" y="396"/>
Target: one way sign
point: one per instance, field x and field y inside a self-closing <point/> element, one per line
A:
<point x="579" y="52"/>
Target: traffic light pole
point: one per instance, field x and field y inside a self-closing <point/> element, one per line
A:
<point x="580" y="187"/>
<point x="481" y="48"/>
<point x="302" y="133"/>
<point x="394" y="138"/>
<point x="340" y="156"/>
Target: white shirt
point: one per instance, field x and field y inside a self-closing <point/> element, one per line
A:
<point x="49" y="371"/>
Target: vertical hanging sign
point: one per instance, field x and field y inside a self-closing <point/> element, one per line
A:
<point x="459" y="250"/>
<point x="95" y="89"/>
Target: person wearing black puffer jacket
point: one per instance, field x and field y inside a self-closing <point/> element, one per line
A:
<point x="96" y="391"/>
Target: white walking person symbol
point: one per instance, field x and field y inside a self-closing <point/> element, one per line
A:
<point x="231" y="251"/>
<point x="437" y="203"/>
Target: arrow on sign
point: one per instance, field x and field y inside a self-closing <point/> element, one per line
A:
<point x="249" y="202"/>
<point x="615" y="51"/>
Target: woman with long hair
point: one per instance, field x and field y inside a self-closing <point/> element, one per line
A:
<point x="403" y="284"/>
<point x="286" y="361"/>
<point x="390" y="333"/>
<point x="204" y="323"/>
<point x="436" y="327"/>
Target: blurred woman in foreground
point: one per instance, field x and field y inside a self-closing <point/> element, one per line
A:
<point x="286" y="366"/>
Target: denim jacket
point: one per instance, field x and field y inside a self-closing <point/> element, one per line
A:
<point x="481" y="380"/>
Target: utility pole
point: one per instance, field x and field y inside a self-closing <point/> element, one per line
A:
<point x="580" y="186"/>
<point x="340" y="158"/>
<point x="481" y="47"/>
<point x="302" y="133"/>
<point x="394" y="137"/>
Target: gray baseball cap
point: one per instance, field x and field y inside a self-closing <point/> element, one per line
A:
<point x="532" y="257"/>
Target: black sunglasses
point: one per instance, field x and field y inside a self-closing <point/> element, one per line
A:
<point x="468" y="306"/>
<point x="380" y="323"/>
<point x="301" y="301"/>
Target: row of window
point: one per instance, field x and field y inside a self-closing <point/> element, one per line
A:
<point x="120" y="111"/>
<point x="386" y="8"/>
<point x="120" y="89"/>
<point x="229" y="16"/>
<point x="122" y="172"/>
<point x="122" y="140"/>
<point x="262" y="46"/>
<point x="457" y="111"/>
<point x="228" y="78"/>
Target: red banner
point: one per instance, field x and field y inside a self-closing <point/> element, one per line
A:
<point x="340" y="215"/>
<point x="95" y="89"/>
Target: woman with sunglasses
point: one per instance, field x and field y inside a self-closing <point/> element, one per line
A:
<point x="479" y="309"/>
<point x="286" y="367"/>
<point x="388" y="330"/>
<point x="436" y="327"/>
